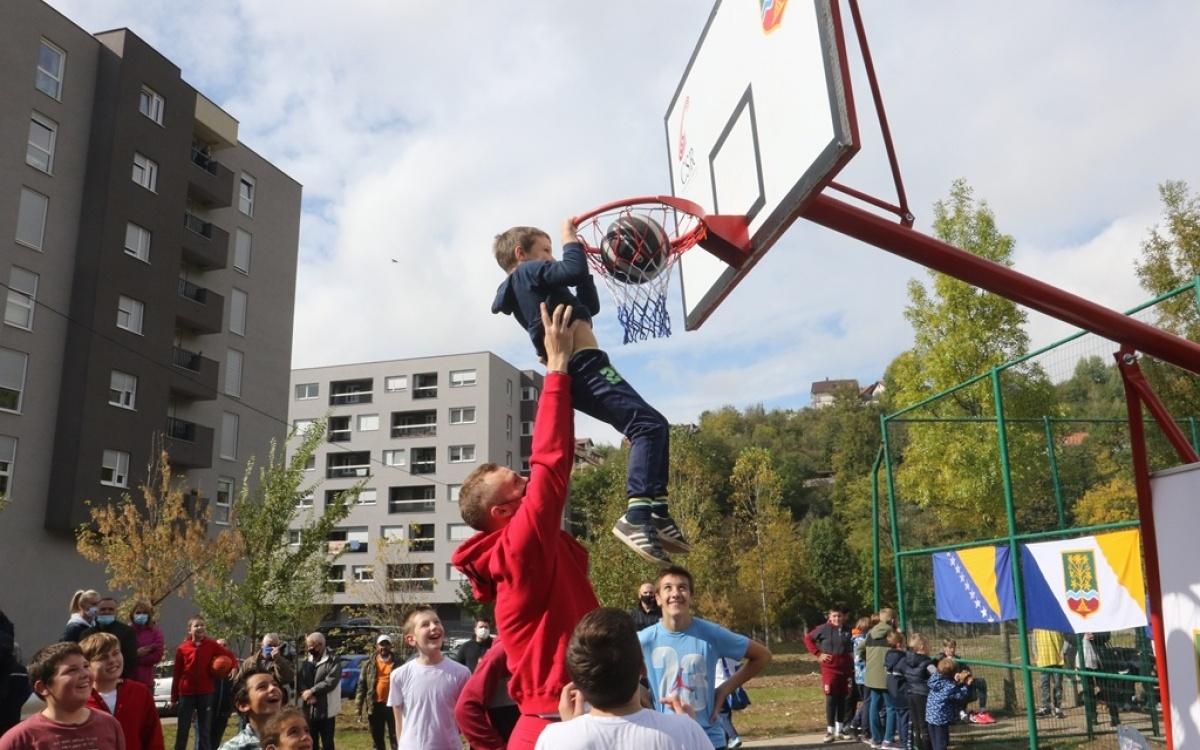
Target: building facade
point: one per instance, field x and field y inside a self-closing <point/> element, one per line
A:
<point x="149" y="268"/>
<point x="408" y="432"/>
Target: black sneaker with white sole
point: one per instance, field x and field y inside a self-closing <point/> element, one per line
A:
<point x="669" y="535"/>
<point x="643" y="540"/>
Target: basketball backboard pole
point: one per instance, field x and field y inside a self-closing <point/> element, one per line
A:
<point x="994" y="277"/>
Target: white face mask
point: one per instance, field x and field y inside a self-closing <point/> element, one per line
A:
<point x="482" y="633"/>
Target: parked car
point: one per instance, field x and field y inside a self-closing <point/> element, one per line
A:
<point x="351" y="669"/>
<point x="163" y="677"/>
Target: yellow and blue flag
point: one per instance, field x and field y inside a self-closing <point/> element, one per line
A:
<point x="974" y="585"/>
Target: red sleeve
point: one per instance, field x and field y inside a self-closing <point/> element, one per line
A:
<point x="151" y="730"/>
<point x="534" y="530"/>
<point x="471" y="709"/>
<point x="154" y="655"/>
<point x="809" y="643"/>
<point x="176" y="675"/>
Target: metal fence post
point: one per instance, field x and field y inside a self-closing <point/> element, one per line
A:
<point x="1014" y="557"/>
<point x="892" y="515"/>
<point x="877" y="601"/>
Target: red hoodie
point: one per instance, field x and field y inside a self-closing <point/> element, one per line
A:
<point x="535" y="571"/>
<point x="137" y="714"/>
<point x="193" y="667"/>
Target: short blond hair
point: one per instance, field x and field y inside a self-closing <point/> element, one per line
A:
<point x="507" y="242"/>
<point x="918" y="643"/>
<point x="473" y="496"/>
<point x="888" y="615"/>
<point x="410" y="619"/>
<point x="99" y="644"/>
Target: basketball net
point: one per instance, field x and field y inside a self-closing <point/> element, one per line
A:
<point x="641" y="296"/>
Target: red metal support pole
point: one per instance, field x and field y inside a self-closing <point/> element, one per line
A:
<point x="1127" y="364"/>
<point x="1026" y="290"/>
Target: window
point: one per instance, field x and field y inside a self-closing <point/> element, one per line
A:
<point x="22" y="294"/>
<point x="310" y="464"/>
<point x="452" y="492"/>
<point x="368" y="422"/>
<point x="150" y="104"/>
<point x="508" y="390"/>
<point x="529" y="394"/>
<point x="223" y="505"/>
<point x="302" y="426"/>
<point x="145" y="172"/>
<point x="31" y="218"/>
<point x="344" y="392"/>
<point x="508" y="459"/>
<point x="233" y="372"/>
<point x="336" y="577"/>
<point x="462" y="378"/>
<point x="395" y="383"/>
<point x="12" y="379"/>
<point x="50" y="67"/>
<point x="137" y="242"/>
<point x="293" y="538"/>
<point x="114" y="469"/>
<point x="351" y="539"/>
<point x="406" y="424"/>
<point x="395" y="457"/>
<point x="122" y="389"/>
<point x="392" y="533"/>
<point x="462" y="415"/>
<point x="526" y="429"/>
<point x="306" y="391"/>
<point x="237" y="311"/>
<point x="454" y="574"/>
<point x="242" y="245"/>
<point x="411" y="499"/>
<point x="367" y="496"/>
<point x="229" y="436"/>
<point x="305" y="501"/>
<point x="421" y="537"/>
<point x="462" y="454"/>
<point x="39" y="152"/>
<point x="508" y="427"/>
<point x="246" y="195"/>
<point x="524" y="465"/>
<point x="457" y="532"/>
<point x="347" y="464"/>
<point x="362" y="573"/>
<point x="424" y="460"/>
<point x="339" y="430"/>
<point x="425" y="385"/>
<point x="411" y="577"/>
<point x="8" y="457"/>
<point x="129" y="314"/>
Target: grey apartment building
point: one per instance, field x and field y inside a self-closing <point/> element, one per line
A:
<point x="410" y="431"/>
<point x="149" y="265"/>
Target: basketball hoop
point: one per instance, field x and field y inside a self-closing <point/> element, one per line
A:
<point x="624" y="247"/>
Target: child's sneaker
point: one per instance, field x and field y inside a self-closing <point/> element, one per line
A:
<point x="643" y="540"/>
<point x="829" y="736"/>
<point x="982" y="717"/>
<point x="669" y="535"/>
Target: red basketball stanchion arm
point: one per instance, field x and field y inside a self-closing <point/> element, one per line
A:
<point x="1137" y="392"/>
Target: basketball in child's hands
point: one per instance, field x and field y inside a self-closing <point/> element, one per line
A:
<point x="634" y="249"/>
<point x="221" y="667"/>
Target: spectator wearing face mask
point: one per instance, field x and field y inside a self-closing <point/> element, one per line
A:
<point x="150" y="642"/>
<point x="83" y="611"/>
<point x="647" y="612"/>
<point x="107" y="622"/>
<point x="270" y="659"/>
<point x="469" y="653"/>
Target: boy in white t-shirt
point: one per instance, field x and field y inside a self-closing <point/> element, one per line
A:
<point x="604" y="660"/>
<point x="422" y="692"/>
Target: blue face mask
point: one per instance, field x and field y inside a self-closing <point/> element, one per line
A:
<point x="105" y="619"/>
<point x="268" y="650"/>
<point x="141" y="619"/>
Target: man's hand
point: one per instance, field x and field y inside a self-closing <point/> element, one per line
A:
<point x="722" y="692"/>
<point x="560" y="337"/>
<point x="680" y="706"/>
<point x="826" y="658"/>
<point x="570" y="233"/>
<point x="570" y="702"/>
<point x="143" y="650"/>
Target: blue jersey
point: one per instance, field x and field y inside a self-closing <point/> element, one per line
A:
<point x="684" y="663"/>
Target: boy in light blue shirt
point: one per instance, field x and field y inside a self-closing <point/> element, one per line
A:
<point x="681" y="653"/>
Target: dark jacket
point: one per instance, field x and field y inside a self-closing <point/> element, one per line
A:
<point x="73" y="632"/>
<point x="897" y="685"/>
<point x="364" y="694"/>
<point x="917" y="669"/>
<point x="644" y="619"/>
<point x="129" y="645"/>
<point x="278" y="665"/>
<point x="324" y="678"/>
<point x="534" y="282"/>
<point x="470" y="652"/>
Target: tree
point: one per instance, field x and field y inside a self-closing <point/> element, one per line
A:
<point x="279" y="583"/>
<point x="1113" y="501"/>
<point x="157" y="546"/>
<point x="766" y="562"/>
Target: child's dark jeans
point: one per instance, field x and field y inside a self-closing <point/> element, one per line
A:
<point x="599" y="391"/>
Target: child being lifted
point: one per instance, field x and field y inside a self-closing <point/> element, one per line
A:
<point x="597" y="389"/>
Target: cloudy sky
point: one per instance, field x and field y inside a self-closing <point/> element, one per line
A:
<point x="421" y="129"/>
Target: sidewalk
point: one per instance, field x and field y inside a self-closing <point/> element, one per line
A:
<point x="797" y="740"/>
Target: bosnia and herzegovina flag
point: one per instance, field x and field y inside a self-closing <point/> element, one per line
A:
<point x="974" y="585"/>
<point x="1085" y="585"/>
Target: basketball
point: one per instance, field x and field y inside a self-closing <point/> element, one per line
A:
<point x="634" y="249"/>
<point x="221" y="667"/>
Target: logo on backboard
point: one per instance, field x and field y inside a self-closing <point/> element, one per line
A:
<point x="1079" y="575"/>
<point x="685" y="154"/>
<point x="772" y="13"/>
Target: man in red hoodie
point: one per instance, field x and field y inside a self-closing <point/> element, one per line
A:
<point x="192" y="682"/>
<point x="522" y="558"/>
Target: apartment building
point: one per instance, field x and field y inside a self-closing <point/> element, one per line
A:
<point x="149" y="267"/>
<point x="408" y="431"/>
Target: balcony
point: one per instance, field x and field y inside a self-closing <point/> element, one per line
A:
<point x="193" y="375"/>
<point x="349" y="392"/>
<point x="189" y="445"/>
<point x="205" y="245"/>
<point x="408" y="424"/>
<point x="199" y="309"/>
<point x="209" y="182"/>
<point x="348" y="465"/>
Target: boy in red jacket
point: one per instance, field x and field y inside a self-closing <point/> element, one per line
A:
<point x="833" y="643"/>
<point x="192" y="682"/>
<point x="522" y="558"/>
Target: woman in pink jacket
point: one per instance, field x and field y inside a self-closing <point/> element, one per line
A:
<point x="149" y="641"/>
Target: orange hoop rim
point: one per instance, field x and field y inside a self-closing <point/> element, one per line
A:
<point x="679" y="241"/>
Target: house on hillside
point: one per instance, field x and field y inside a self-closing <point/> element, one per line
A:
<point x="823" y="391"/>
<point x="586" y="453"/>
<point x="872" y="393"/>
